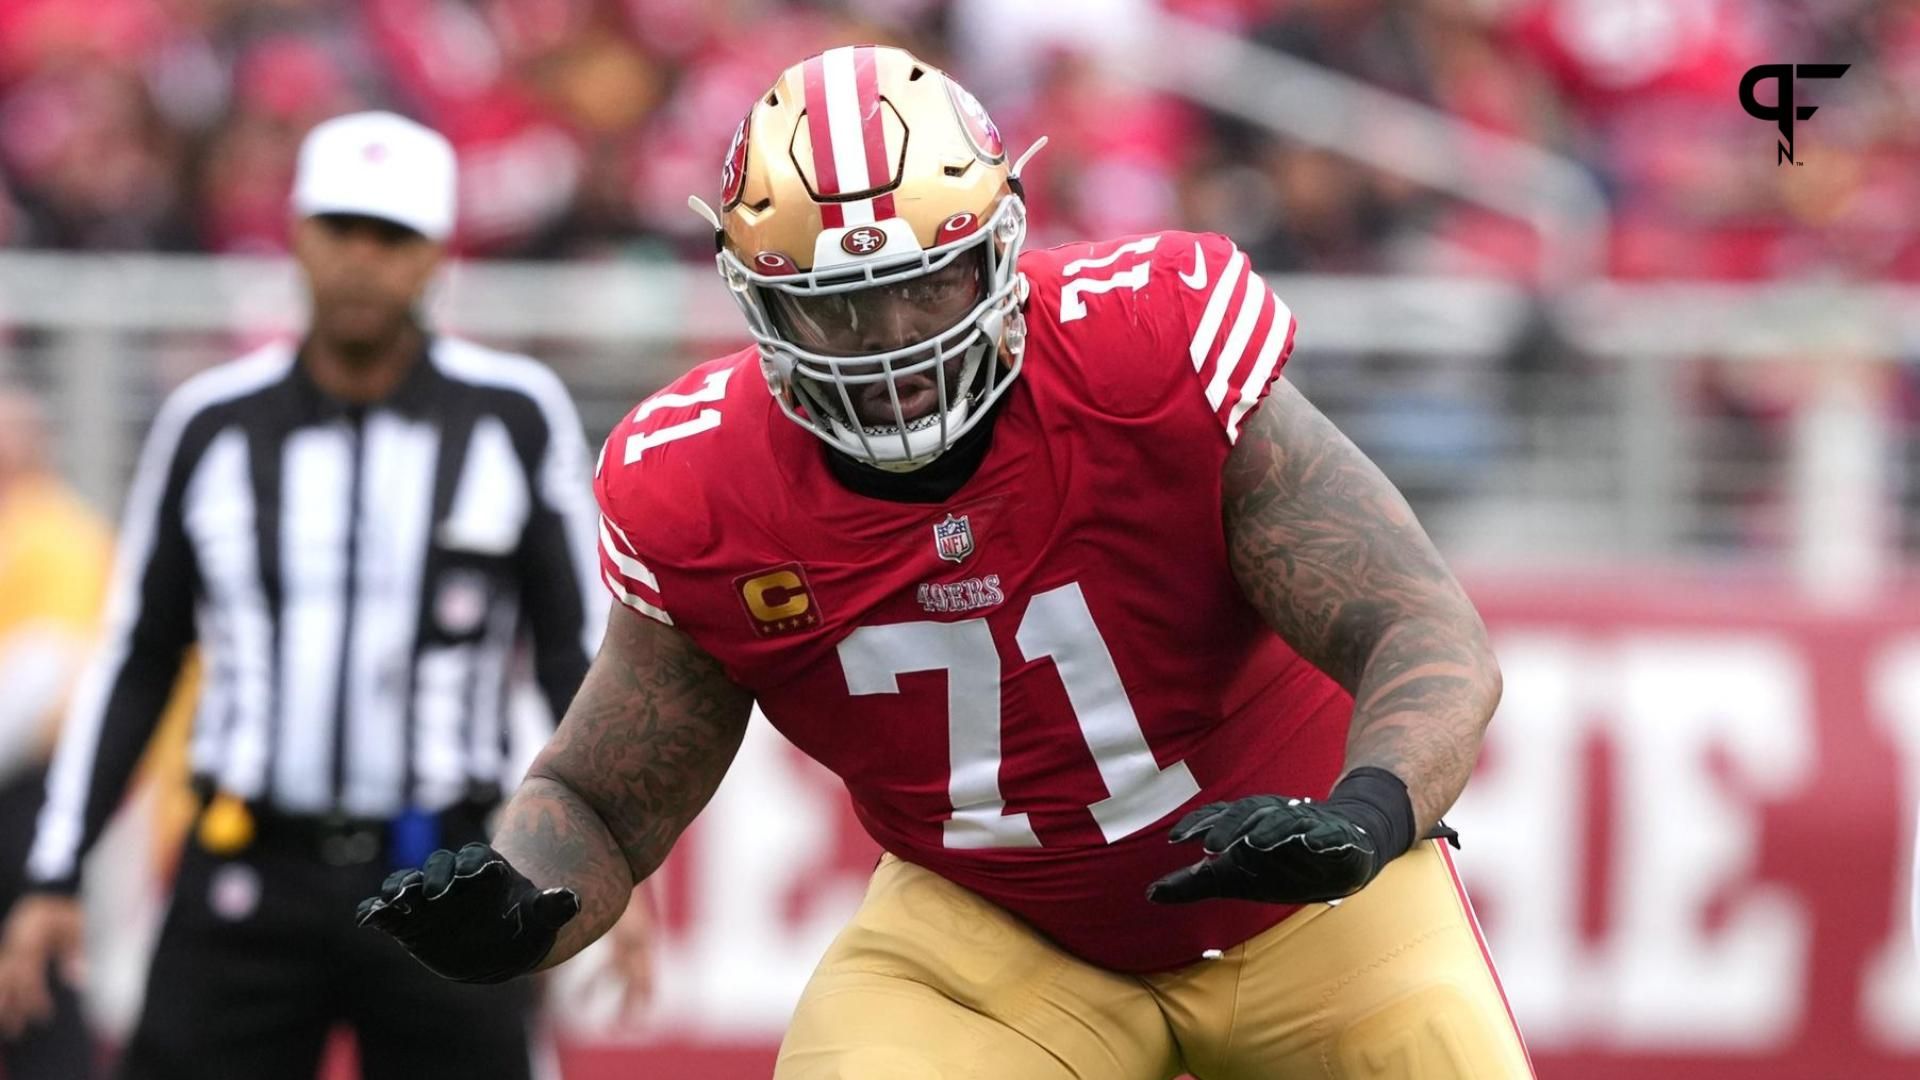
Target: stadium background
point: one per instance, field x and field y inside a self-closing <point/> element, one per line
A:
<point x="1652" y="391"/>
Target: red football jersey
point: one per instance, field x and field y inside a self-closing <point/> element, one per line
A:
<point x="1023" y="687"/>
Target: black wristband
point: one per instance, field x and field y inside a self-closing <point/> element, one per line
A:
<point x="1378" y="800"/>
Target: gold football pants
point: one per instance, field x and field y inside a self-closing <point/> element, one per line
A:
<point x="930" y="982"/>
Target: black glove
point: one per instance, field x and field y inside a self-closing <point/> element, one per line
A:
<point x="1285" y="850"/>
<point x="470" y="917"/>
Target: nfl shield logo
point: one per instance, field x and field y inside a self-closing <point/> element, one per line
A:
<point x="953" y="538"/>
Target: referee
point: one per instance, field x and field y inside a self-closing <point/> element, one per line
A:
<point x="357" y="531"/>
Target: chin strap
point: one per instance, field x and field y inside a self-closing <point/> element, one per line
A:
<point x="934" y="482"/>
<point x="902" y="467"/>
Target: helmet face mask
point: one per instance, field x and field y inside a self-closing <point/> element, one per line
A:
<point x="895" y="313"/>
<point x="878" y="272"/>
<point x="860" y="402"/>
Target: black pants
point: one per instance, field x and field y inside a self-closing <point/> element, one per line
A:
<point x="61" y="1048"/>
<point x="259" y="958"/>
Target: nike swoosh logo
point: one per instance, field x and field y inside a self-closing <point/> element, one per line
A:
<point x="1197" y="279"/>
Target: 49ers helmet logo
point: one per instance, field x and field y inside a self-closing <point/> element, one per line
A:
<point x="864" y="240"/>
<point x="733" y="174"/>
<point x="980" y="128"/>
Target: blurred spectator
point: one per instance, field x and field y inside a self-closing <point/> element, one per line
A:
<point x="92" y="165"/>
<point x="54" y="554"/>
<point x="583" y="124"/>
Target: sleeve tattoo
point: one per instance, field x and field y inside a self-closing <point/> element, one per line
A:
<point x="643" y="747"/>
<point x="1331" y="556"/>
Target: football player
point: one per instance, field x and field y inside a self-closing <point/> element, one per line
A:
<point x="1035" y="551"/>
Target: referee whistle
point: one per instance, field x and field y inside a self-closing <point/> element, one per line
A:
<point x="226" y="826"/>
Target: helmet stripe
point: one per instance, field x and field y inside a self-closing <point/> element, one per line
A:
<point x="844" y="124"/>
<point x="820" y="135"/>
<point x="866" y="80"/>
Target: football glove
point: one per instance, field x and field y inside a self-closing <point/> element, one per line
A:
<point x="1284" y="850"/>
<point x="470" y="917"/>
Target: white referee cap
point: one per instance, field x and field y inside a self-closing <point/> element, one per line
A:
<point x="379" y="165"/>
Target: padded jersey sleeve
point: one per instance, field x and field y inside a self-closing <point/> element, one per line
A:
<point x="1176" y="323"/>
<point x="622" y="570"/>
<point x="1213" y="309"/>
<point x="648" y="485"/>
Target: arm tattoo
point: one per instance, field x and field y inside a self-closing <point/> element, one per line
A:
<point x="1331" y="556"/>
<point x="641" y="750"/>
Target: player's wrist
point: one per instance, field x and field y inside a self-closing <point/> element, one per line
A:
<point x="1378" y="801"/>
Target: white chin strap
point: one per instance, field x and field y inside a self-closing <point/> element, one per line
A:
<point x="923" y="444"/>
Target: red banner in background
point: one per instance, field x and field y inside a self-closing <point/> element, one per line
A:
<point x="1688" y="839"/>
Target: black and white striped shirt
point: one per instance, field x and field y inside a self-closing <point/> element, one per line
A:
<point x="357" y="580"/>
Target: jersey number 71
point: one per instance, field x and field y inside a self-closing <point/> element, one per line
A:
<point x="1057" y="626"/>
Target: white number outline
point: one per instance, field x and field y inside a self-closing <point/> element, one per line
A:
<point x="714" y="389"/>
<point x="1057" y="626"/>
<point x="1073" y="307"/>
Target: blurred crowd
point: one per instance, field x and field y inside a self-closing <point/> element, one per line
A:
<point x="583" y="124"/>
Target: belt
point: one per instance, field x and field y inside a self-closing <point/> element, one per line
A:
<point x="342" y="841"/>
<point x="334" y="839"/>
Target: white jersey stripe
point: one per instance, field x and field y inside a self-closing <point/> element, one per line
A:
<point x="318" y="487"/>
<point x="235" y="735"/>
<point x="1279" y="337"/>
<point x="636" y="603"/>
<point x="1252" y="305"/>
<point x="628" y="565"/>
<point x="1209" y="327"/>
<point x="625" y="540"/>
<point x="403" y="454"/>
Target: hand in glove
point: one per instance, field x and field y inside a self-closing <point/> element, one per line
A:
<point x="470" y="917"/>
<point x="1284" y="850"/>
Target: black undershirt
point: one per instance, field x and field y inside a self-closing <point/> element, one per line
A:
<point x="934" y="482"/>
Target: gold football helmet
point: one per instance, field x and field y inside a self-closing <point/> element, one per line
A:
<point x="869" y="228"/>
